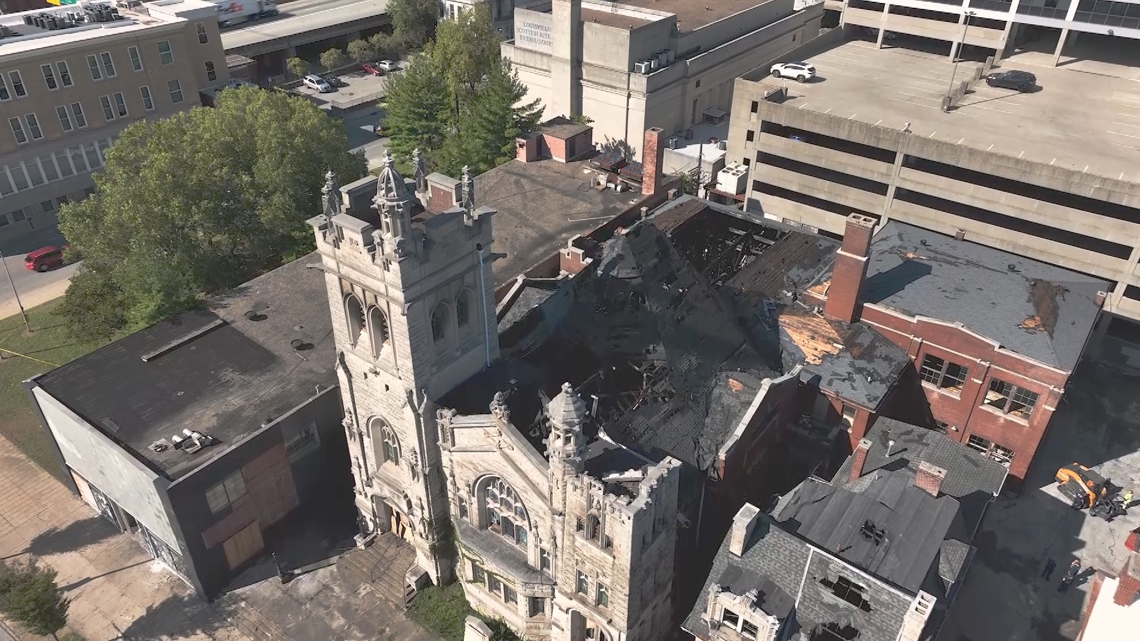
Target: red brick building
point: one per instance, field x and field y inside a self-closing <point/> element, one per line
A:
<point x="993" y="336"/>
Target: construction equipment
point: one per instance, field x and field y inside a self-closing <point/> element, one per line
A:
<point x="1082" y="486"/>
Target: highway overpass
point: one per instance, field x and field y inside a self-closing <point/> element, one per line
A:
<point x="306" y="24"/>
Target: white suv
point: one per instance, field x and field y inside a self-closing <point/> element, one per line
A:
<point x="316" y="82"/>
<point x="801" y="71"/>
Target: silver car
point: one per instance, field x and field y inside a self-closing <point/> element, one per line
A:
<point x="314" y="81"/>
<point x="801" y="71"/>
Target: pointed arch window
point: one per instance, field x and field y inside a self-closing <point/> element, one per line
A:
<point x="463" y="309"/>
<point x="357" y="323"/>
<point x="389" y="444"/>
<point x="505" y="512"/>
<point x="439" y="319"/>
<point x="378" y="329"/>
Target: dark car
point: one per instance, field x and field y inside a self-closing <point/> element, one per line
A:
<point x="1022" y="81"/>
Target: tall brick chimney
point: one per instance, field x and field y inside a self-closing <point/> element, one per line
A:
<point x="1128" y="589"/>
<point x="858" y="458"/>
<point x="652" y="157"/>
<point x="850" y="268"/>
<point x="742" y="526"/>
<point x="929" y="478"/>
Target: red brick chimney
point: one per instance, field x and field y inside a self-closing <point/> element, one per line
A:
<point x="858" y="458"/>
<point x="652" y="157"/>
<point x="1128" y="589"/>
<point x="929" y="478"/>
<point x="850" y="267"/>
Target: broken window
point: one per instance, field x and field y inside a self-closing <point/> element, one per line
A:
<point x="1011" y="399"/>
<point x="730" y="618"/>
<point x="834" y="632"/>
<point x="849" y="591"/>
<point x="942" y="426"/>
<point x="748" y="629"/>
<point x="943" y="374"/>
<point x="993" y="450"/>
<point x="537" y="606"/>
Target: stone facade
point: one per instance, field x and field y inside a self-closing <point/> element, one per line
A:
<point x="577" y="544"/>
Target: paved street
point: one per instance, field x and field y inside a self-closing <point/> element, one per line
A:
<point x="118" y="592"/>
<point x="358" y="126"/>
<point x="35" y="288"/>
<point x="1004" y="597"/>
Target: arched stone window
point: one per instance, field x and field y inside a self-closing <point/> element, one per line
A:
<point x="378" y="329"/>
<point x="463" y="309"/>
<point x="357" y="323"/>
<point x="389" y="444"/>
<point x="505" y="512"/>
<point x="439" y="321"/>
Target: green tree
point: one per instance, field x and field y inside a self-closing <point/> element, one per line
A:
<point x="491" y="121"/>
<point x="414" y="20"/>
<point x="91" y="304"/>
<point x="386" y="45"/>
<point x="297" y="66"/>
<point x="332" y="58"/>
<point x="361" y="50"/>
<point x="202" y="201"/>
<point x="467" y="49"/>
<point x="416" y="109"/>
<point x="30" y="596"/>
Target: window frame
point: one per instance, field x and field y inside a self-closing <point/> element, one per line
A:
<point x="1026" y="407"/>
<point x="389" y="445"/>
<point x="165" y="57"/>
<point x="94" y="68"/>
<point x="211" y="72"/>
<point x="120" y="104"/>
<point x="19" y="89"/>
<point x="136" y="58"/>
<point x="34" y="128"/>
<point x="18" y="131"/>
<point x="940" y="376"/>
<point x="64" y="73"/>
<point x="175" y="87"/>
<point x="78" y="115"/>
<point x="5" y="93"/>
<point x="581" y="583"/>
<point x="232" y="488"/>
<point x="203" y="37"/>
<point x="601" y="595"/>
<point x="506" y="514"/>
<point x="989" y="449"/>
<point x="147" y="98"/>
<point x="108" y="62"/>
<point x="49" y="76"/>
<point x="108" y="109"/>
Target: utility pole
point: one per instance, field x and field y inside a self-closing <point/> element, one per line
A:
<point x="958" y="55"/>
<point x="15" y="293"/>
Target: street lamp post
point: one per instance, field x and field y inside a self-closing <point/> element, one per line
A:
<point x="958" y="55"/>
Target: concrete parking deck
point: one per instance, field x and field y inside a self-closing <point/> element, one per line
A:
<point x="1081" y="121"/>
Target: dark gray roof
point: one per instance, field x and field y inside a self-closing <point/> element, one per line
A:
<point x="971" y="478"/>
<point x="915" y="524"/>
<point x="1037" y="310"/>
<point x="214" y="370"/>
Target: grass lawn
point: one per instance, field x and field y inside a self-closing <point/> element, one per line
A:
<point x="444" y="610"/>
<point x="46" y="347"/>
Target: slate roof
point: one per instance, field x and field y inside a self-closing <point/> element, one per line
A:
<point x="1035" y="309"/>
<point x="971" y="478"/>
<point x="216" y="370"/>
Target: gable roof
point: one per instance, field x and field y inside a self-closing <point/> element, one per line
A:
<point x="1038" y="310"/>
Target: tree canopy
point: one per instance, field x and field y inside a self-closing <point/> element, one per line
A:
<point x="30" y="596"/>
<point x="197" y="203"/>
<point x="459" y="102"/>
<point x="414" y="21"/>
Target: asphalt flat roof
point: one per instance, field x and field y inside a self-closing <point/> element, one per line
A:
<point x="694" y="14"/>
<point x="895" y="86"/>
<point x="213" y="370"/>
<point x="541" y="205"/>
<point x="1035" y="309"/>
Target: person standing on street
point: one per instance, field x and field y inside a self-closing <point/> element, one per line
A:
<point x="1070" y="576"/>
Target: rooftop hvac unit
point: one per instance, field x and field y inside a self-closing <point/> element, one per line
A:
<point x="672" y="142"/>
<point x="670" y="56"/>
<point x="641" y="67"/>
<point x="731" y="179"/>
<point x="662" y="58"/>
<point x="722" y="145"/>
<point x="653" y="64"/>
<point x="689" y="134"/>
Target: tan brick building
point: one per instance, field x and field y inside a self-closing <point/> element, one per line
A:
<point x="72" y="78"/>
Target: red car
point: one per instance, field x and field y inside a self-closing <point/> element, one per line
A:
<point x="373" y="68"/>
<point x="45" y="258"/>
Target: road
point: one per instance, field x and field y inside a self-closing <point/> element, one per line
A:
<point x="34" y="288"/>
<point x="298" y="17"/>
<point x="358" y="127"/>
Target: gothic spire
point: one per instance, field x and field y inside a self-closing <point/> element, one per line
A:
<point x="468" y="190"/>
<point x="419" y="169"/>
<point x="330" y="195"/>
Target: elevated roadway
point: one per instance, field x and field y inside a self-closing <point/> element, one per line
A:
<point x="304" y="22"/>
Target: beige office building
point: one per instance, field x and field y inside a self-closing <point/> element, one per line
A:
<point x="72" y="77"/>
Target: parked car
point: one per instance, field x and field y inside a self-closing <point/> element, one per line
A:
<point x="314" y="81"/>
<point x="801" y="71"/>
<point x="1022" y="81"/>
<point x="373" y="68"/>
<point x="388" y="65"/>
<point x="45" y="258"/>
<point x="334" y="81"/>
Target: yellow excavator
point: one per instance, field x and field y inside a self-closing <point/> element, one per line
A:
<point x="1087" y="490"/>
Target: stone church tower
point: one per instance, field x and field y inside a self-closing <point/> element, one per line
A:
<point x="413" y="314"/>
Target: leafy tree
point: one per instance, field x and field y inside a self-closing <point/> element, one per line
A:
<point x="297" y="66"/>
<point x="91" y="304"/>
<point x="490" y="124"/>
<point x="416" y="108"/>
<point x="414" y="20"/>
<point x="466" y="48"/>
<point x="332" y="58"/>
<point x="387" y="45"/>
<point x="30" y="596"/>
<point x="200" y="202"/>
<point x="361" y="50"/>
